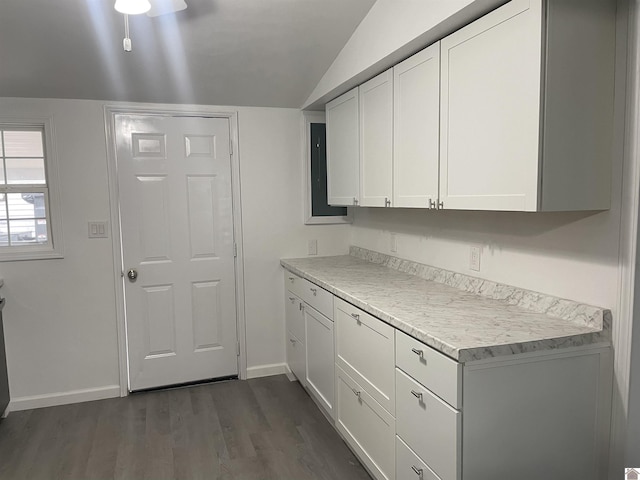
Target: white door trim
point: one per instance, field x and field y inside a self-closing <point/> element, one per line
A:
<point x="110" y="111"/>
<point x="628" y="284"/>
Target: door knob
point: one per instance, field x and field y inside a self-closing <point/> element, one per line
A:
<point x="132" y="274"/>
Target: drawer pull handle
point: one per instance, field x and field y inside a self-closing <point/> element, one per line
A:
<point x="292" y="299"/>
<point x="420" y="353"/>
<point x="292" y="341"/>
<point x="356" y="316"/>
<point x="356" y="392"/>
<point x="418" y="395"/>
<point x="315" y="291"/>
<point x="417" y="471"/>
<point x="292" y="279"/>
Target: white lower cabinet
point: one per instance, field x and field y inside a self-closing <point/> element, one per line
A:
<point x="409" y="466"/>
<point x="320" y="358"/>
<point x="429" y="425"/>
<point x="365" y="350"/>
<point x="367" y="427"/>
<point x="296" y="358"/>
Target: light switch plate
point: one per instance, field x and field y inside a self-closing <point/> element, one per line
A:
<point x="98" y="229"/>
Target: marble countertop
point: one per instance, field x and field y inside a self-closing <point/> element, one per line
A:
<point x="463" y="325"/>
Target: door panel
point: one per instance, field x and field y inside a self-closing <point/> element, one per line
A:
<point x="416" y="125"/>
<point x="376" y="140"/>
<point x="174" y="181"/>
<point x="490" y="125"/>
<point x="343" y="149"/>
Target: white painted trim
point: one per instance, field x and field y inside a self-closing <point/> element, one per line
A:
<point x="110" y="110"/>
<point x="55" y="249"/>
<point x="630" y="211"/>
<point x="307" y="119"/>
<point x="266" y="370"/>
<point x="64" y="398"/>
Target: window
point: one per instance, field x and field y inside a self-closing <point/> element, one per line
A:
<point x="317" y="210"/>
<point x="26" y="229"/>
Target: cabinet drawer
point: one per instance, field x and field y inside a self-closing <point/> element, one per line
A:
<point x="429" y="426"/>
<point x="317" y="297"/>
<point x="293" y="283"/>
<point x="409" y="466"/>
<point x="432" y="369"/>
<point x="365" y="350"/>
<point x="294" y="315"/>
<point x="296" y="358"/>
<point x="367" y="427"/>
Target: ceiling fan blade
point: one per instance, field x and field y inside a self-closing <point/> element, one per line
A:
<point x="163" y="7"/>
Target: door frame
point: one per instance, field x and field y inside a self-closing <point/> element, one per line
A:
<point x="110" y="111"/>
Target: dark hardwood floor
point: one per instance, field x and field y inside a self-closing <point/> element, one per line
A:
<point x="266" y="428"/>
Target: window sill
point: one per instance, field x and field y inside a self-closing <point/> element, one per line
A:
<point x="30" y="255"/>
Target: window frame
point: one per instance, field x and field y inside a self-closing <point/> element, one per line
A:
<point x="54" y="247"/>
<point x="307" y="119"/>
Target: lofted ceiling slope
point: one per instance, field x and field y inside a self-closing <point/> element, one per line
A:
<point x="268" y="53"/>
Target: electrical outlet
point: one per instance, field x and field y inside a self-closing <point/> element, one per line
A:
<point x="393" y="243"/>
<point x="474" y="258"/>
<point x="313" y="247"/>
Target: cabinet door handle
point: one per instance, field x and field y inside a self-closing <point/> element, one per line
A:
<point x="355" y="201"/>
<point x="357" y="393"/>
<point x="417" y="471"/>
<point x="387" y="202"/>
<point x="432" y="204"/>
<point x="292" y="341"/>
<point x="292" y="299"/>
<point x="440" y="205"/>
<point x="418" y="395"/>
<point x="420" y="353"/>
<point x="356" y="316"/>
<point x="291" y="279"/>
<point x="314" y="291"/>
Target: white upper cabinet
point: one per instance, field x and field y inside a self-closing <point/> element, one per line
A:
<point x="416" y="127"/>
<point x="376" y="141"/>
<point x="343" y="149"/>
<point x="526" y="108"/>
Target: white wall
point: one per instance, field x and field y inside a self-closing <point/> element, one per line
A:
<point x="571" y="255"/>
<point x="390" y="32"/>
<point x="60" y="318"/>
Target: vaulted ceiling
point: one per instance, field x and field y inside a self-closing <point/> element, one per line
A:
<point x="217" y="52"/>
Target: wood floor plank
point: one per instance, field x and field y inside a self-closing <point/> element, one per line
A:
<point x="261" y="429"/>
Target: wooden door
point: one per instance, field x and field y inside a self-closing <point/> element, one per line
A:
<point x="174" y="182"/>
<point x="343" y="146"/>
<point x="376" y="141"/>
<point x="416" y="126"/>
<point x="490" y="111"/>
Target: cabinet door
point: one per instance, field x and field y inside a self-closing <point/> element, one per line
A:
<point x="490" y="111"/>
<point x="320" y="358"/>
<point x="294" y="316"/>
<point x="296" y="358"/>
<point x="367" y="427"/>
<point x="376" y="141"/>
<point x="416" y="127"/>
<point x="343" y="149"/>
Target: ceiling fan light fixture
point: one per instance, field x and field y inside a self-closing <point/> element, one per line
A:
<point x="132" y="7"/>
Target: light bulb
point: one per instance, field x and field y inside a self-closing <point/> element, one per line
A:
<point x="132" y="7"/>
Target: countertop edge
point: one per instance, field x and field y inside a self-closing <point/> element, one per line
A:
<point x="461" y="355"/>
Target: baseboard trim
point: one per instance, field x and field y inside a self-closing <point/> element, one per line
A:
<point x="63" y="398"/>
<point x="266" y="370"/>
